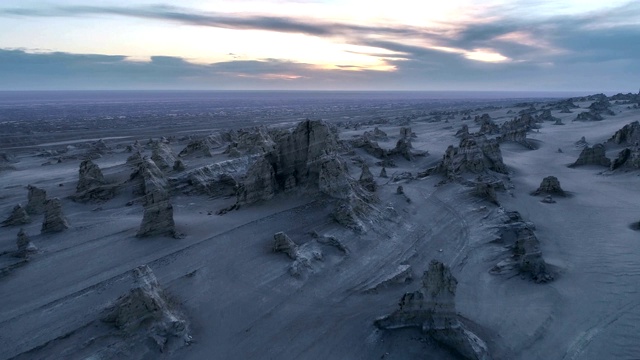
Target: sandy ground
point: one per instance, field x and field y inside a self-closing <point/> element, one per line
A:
<point x="243" y="304"/>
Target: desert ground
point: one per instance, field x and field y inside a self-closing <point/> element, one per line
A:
<point x="199" y="202"/>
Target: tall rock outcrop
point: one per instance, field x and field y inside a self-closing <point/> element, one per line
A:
<point x="162" y="155"/>
<point x="432" y="309"/>
<point x="54" y="219"/>
<point x="147" y="177"/>
<point x="18" y="216"/>
<point x="595" y="155"/>
<point x="300" y="152"/>
<point x="37" y="198"/>
<point x="146" y="313"/>
<point x="158" y="215"/>
<point x="366" y="179"/>
<point x="550" y="185"/>
<point x="91" y="184"/>
<point x="259" y="183"/>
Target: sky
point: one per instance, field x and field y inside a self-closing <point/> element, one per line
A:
<point x="463" y="45"/>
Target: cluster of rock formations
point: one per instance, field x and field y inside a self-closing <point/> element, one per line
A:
<point x="629" y="137"/>
<point x="432" y="309"/>
<point x="305" y="255"/>
<point x="146" y="313"/>
<point x="525" y="254"/>
<point x="599" y="107"/>
<point x="402" y="148"/>
<point x="474" y="154"/>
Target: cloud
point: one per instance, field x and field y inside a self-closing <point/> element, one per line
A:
<point x="506" y="48"/>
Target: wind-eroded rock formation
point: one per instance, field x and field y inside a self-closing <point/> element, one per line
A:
<point x="146" y="313"/>
<point x="18" y="216"/>
<point x="525" y="254"/>
<point x="25" y="246"/>
<point x="474" y="155"/>
<point x="628" y="135"/>
<point x="147" y="177"/>
<point x="158" y="215"/>
<point x="432" y="309"/>
<point x="91" y="184"/>
<point x="162" y="155"/>
<point x="628" y="158"/>
<point x="54" y="219"/>
<point x="550" y="185"/>
<point x="282" y="243"/>
<point x="595" y="155"/>
<point x="37" y="198"/>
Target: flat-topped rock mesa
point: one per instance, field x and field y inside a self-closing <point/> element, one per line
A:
<point x="54" y="219"/>
<point x="550" y="185"/>
<point x="157" y="218"/>
<point x="146" y="314"/>
<point x="37" y="198"/>
<point x="25" y="246"/>
<point x="205" y="146"/>
<point x="18" y="216"/>
<point x="475" y="155"/>
<point x="525" y="256"/>
<point x="628" y="135"/>
<point x="92" y="185"/>
<point x="432" y="309"/>
<point x="162" y="155"/>
<point x="596" y="155"/>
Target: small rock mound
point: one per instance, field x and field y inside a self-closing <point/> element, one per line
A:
<point x="282" y="243"/>
<point x="37" y="198"/>
<point x="595" y="155"/>
<point x="550" y="185"/>
<point x="145" y="312"/>
<point x="18" y="216"/>
<point x="432" y="309"/>
<point x="25" y="246"/>
<point x="383" y="173"/>
<point x="486" y="191"/>
<point x="54" y="219"/>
